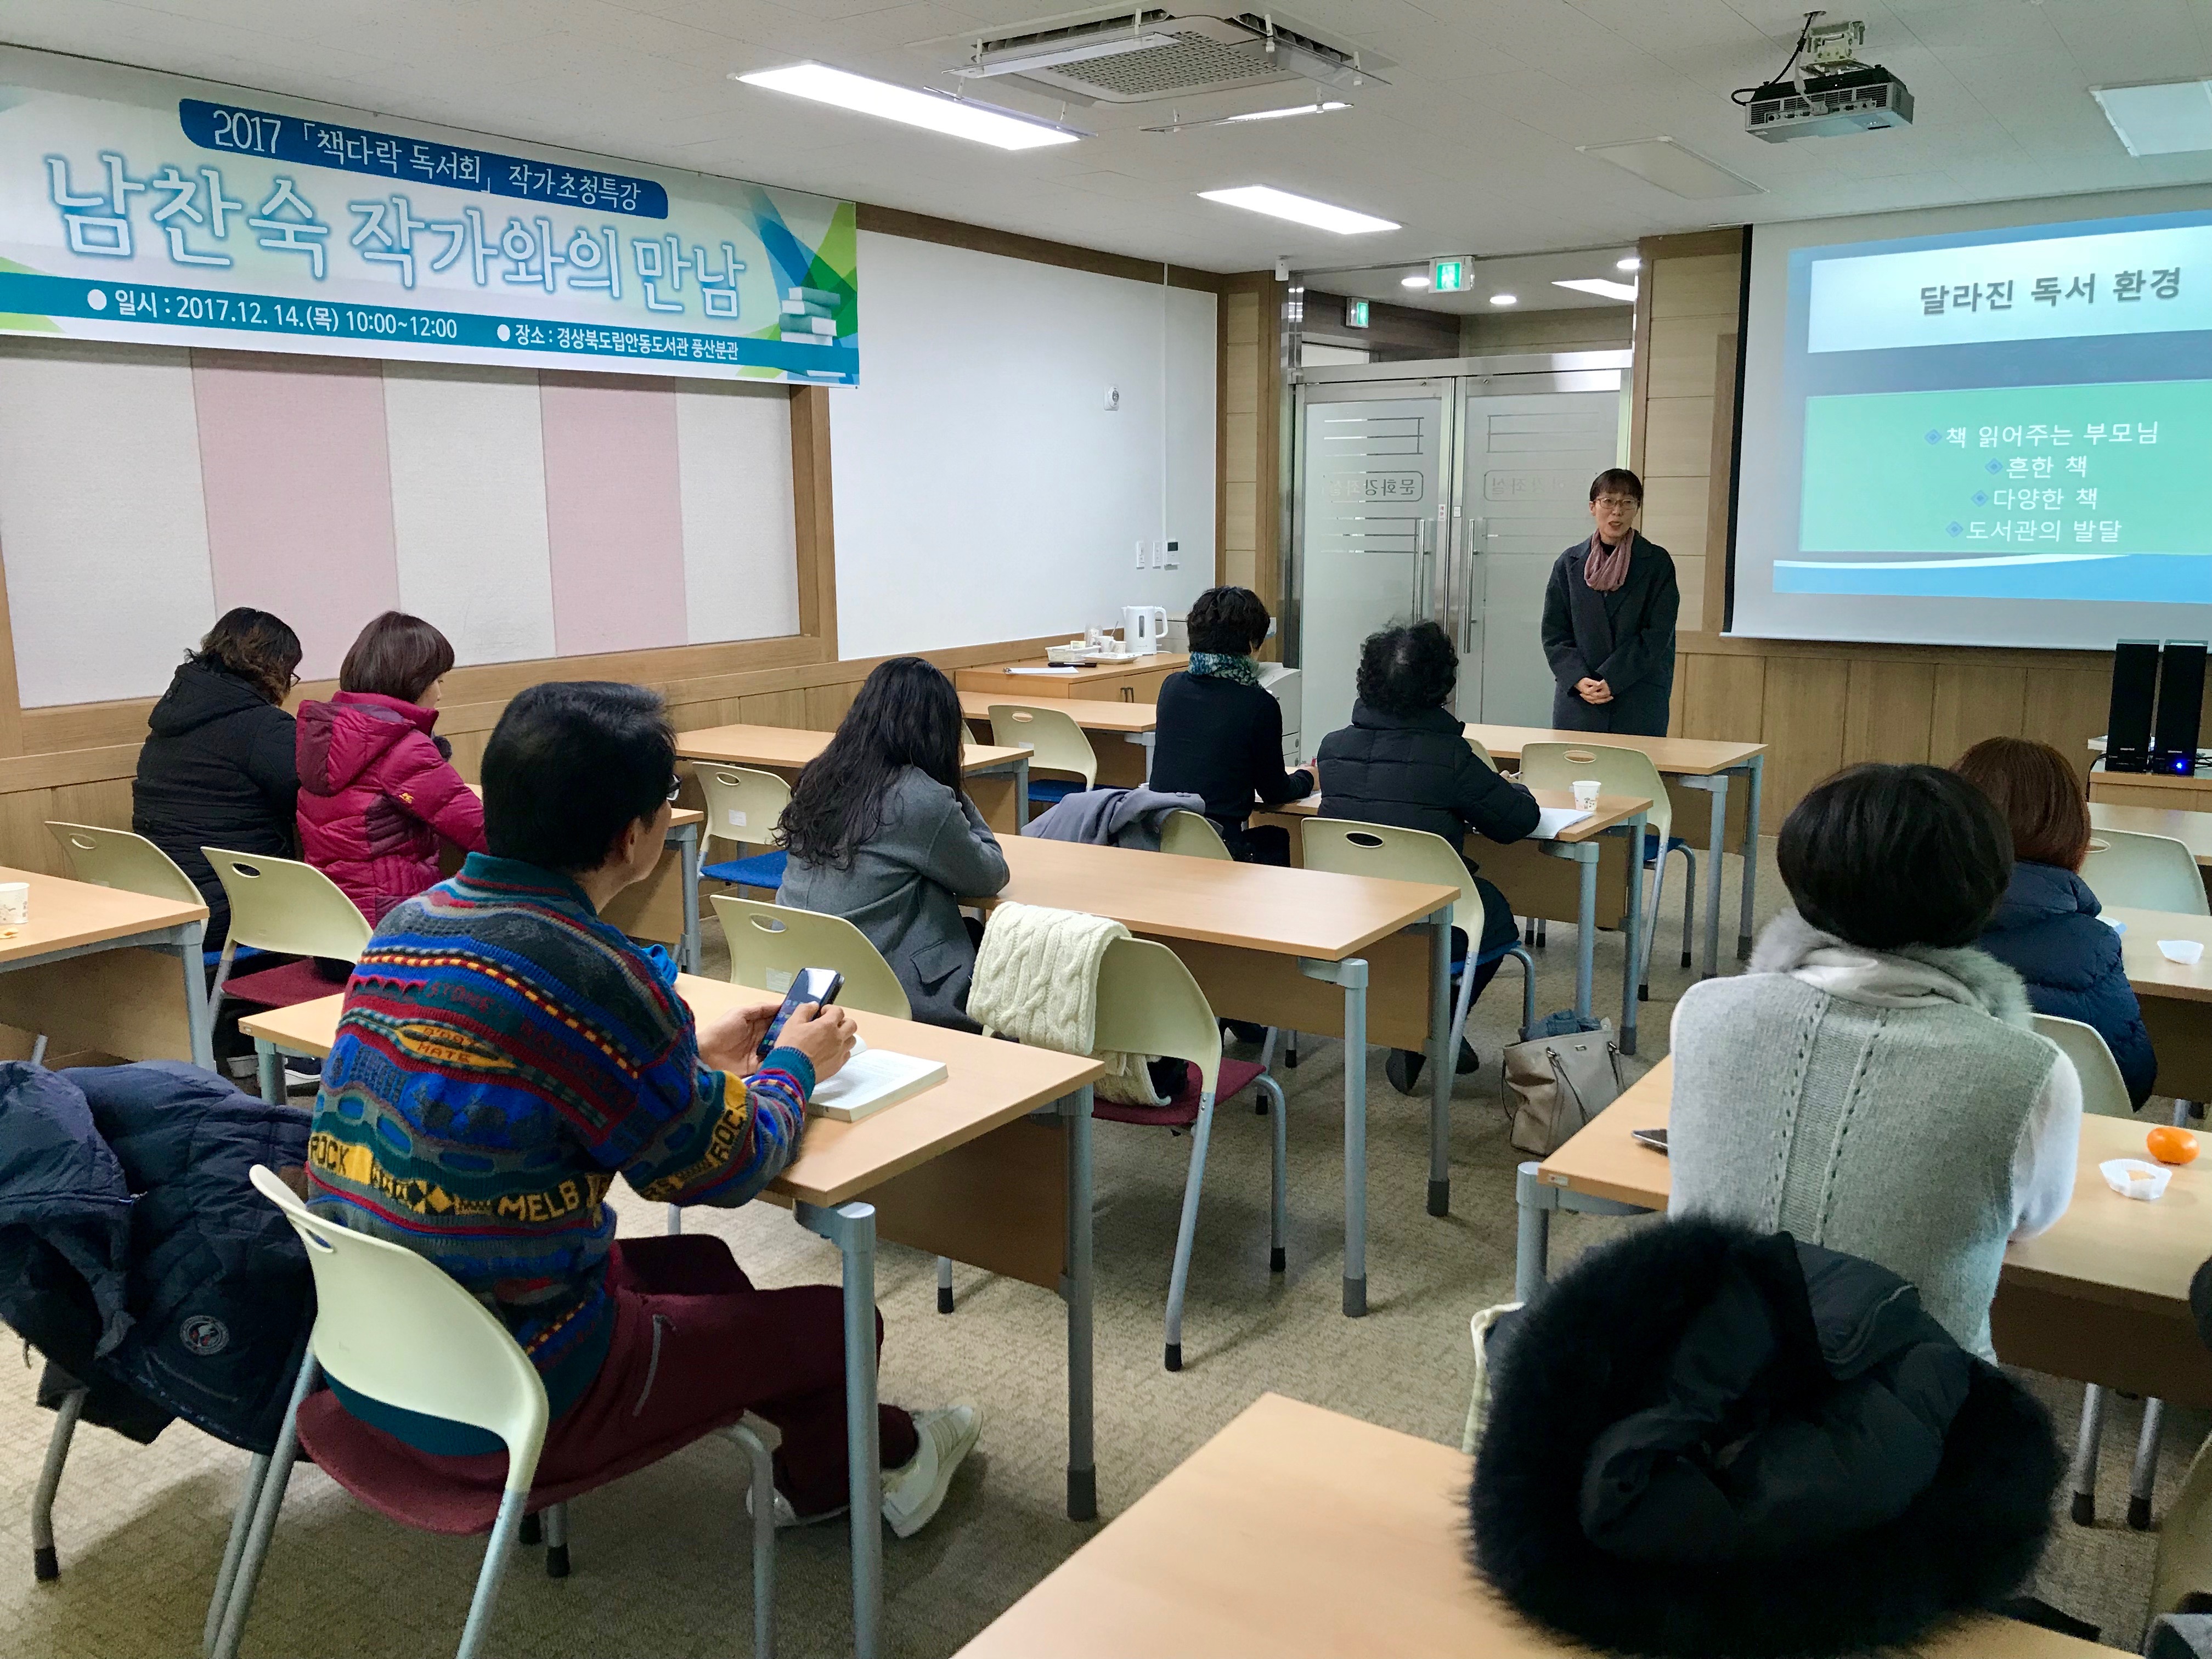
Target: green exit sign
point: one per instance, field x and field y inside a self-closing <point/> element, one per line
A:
<point x="1355" y="314"/>
<point x="1451" y="276"/>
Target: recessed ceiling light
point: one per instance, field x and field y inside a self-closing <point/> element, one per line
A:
<point x="1300" y="209"/>
<point x="2162" y="120"/>
<point x="957" y="118"/>
<point x="1674" y="168"/>
<point x="1295" y="109"/>
<point x="1632" y="263"/>
<point x="1604" y="287"/>
<point x="1416" y="280"/>
<point x="1506" y="299"/>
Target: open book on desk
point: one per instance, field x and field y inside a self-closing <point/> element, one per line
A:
<point x="871" y="1080"/>
<point x="1551" y="820"/>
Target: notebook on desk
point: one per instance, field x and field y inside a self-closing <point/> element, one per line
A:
<point x="872" y="1079"/>
<point x="1550" y="820"/>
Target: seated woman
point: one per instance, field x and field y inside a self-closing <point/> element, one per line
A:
<point x="881" y="833"/>
<point x="2045" y="928"/>
<point x="1404" y="761"/>
<point x="216" y="767"/>
<point x="377" y="790"/>
<point x="1220" y="736"/>
<point x="1872" y="1084"/>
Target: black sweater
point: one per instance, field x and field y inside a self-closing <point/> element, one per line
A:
<point x="1417" y="771"/>
<point x="1223" y="740"/>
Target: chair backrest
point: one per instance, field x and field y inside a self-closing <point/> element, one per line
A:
<point x="1148" y="1004"/>
<point x="456" y="1360"/>
<point x="1618" y="772"/>
<point x="1059" y="743"/>
<point x="2144" y="872"/>
<point x="1389" y="853"/>
<point x="2104" y="1091"/>
<point x="2184" y="1563"/>
<point x="743" y="803"/>
<point x="770" y="943"/>
<point x="1481" y="753"/>
<point x="1192" y="835"/>
<point x="116" y="858"/>
<point x="281" y="904"/>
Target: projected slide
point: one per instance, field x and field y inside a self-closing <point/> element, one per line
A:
<point x="2019" y="417"/>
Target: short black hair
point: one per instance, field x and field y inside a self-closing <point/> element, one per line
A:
<point x="1407" y="667"/>
<point x="572" y="764"/>
<point x="1227" y="622"/>
<point x="1617" y="481"/>
<point x="1883" y="856"/>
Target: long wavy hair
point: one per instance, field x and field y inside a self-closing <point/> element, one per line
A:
<point x="907" y="714"/>
<point x="254" y="647"/>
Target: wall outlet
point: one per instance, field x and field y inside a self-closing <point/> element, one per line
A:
<point x="1143" y="561"/>
<point x="1112" y="398"/>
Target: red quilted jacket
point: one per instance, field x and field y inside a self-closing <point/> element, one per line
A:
<point x="375" y="796"/>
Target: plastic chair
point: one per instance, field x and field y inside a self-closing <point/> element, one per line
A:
<point x="117" y="858"/>
<point x="2183" y="1566"/>
<point x="1192" y="835"/>
<point x="1057" y="745"/>
<point x="1481" y="753"/>
<point x="1626" y="772"/>
<point x="459" y="1363"/>
<point x="2104" y="1093"/>
<point x="2144" y="872"/>
<point x="739" y="798"/>
<point x="288" y="907"/>
<point x="1478" y="1405"/>
<point x="1149" y="1004"/>
<point x="1385" y="851"/>
<point x="769" y="943"/>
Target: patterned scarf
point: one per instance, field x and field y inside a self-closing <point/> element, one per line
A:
<point x="1220" y="665"/>
<point x="1605" y="568"/>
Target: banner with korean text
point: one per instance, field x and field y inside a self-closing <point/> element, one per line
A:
<point x="142" y="207"/>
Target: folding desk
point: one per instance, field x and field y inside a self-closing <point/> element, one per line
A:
<point x="957" y="1171"/>
<point x="74" y="973"/>
<point x="1134" y="723"/>
<point x="787" y="750"/>
<point x="1257" y="938"/>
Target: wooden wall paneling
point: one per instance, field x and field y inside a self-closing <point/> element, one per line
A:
<point x="1803" y="719"/>
<point x="771" y="708"/>
<point x="826" y="704"/>
<point x="1974" y="701"/>
<point x="1723" y="697"/>
<point x="1271" y="505"/>
<point x="2066" y="706"/>
<point x="1238" y="443"/>
<point x="1720" y="487"/>
<point x="1887" y="709"/>
<point x="814" y="517"/>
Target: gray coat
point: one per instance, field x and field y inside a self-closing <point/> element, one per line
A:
<point x="1112" y="817"/>
<point x="905" y="888"/>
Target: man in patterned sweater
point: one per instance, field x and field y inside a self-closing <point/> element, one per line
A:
<point x="504" y="1054"/>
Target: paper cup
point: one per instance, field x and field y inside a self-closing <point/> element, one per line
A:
<point x="2131" y="1177"/>
<point x="2186" y="951"/>
<point x="1586" y="792"/>
<point x="14" y="903"/>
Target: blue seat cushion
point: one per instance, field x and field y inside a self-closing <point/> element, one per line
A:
<point x="761" y="870"/>
<point x="1652" y="851"/>
<point x="1052" y="791"/>
<point x="244" y="954"/>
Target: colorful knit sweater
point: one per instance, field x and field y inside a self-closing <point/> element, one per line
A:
<point x="502" y="1056"/>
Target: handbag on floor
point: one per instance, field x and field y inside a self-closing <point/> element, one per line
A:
<point x="1553" y="1086"/>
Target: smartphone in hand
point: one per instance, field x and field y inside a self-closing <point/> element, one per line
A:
<point x="819" y="985"/>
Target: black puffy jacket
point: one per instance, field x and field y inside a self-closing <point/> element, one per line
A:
<point x="1416" y="771"/>
<point x="136" y="1255"/>
<point x="2047" y="929"/>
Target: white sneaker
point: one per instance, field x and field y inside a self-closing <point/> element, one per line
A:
<point x="912" y="1494"/>
<point x="787" y="1516"/>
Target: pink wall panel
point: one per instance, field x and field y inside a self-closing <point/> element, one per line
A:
<point x="299" y="493"/>
<point x="614" y="512"/>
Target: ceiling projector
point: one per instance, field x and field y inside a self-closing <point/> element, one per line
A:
<point x="1832" y="93"/>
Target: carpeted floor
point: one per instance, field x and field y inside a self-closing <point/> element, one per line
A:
<point x="661" y="1567"/>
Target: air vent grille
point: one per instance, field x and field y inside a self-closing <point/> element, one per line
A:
<point x="1193" y="62"/>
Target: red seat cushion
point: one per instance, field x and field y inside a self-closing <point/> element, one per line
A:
<point x="1236" y="1075"/>
<point x="280" y="987"/>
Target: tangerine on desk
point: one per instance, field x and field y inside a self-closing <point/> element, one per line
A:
<point x="2171" y="1146"/>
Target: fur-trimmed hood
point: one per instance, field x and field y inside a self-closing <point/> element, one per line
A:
<point x="1913" y="976"/>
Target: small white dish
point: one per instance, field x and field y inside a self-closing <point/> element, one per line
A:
<point x="2132" y="1177"/>
<point x="2116" y="926"/>
<point x="2186" y="951"/>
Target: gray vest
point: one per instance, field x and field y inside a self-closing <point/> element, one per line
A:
<point x="1886" y="1133"/>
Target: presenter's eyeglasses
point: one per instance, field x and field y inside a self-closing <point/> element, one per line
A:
<point x="1618" y="503"/>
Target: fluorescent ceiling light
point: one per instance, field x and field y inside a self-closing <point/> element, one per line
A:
<point x="1506" y="299"/>
<point x="1300" y="209"/>
<point x="1416" y="280"/>
<point x="1278" y="114"/>
<point x="1604" y="287"/>
<point x="1676" y="167"/>
<point x="2161" y="121"/>
<point x="954" y="116"/>
<point x="1632" y="263"/>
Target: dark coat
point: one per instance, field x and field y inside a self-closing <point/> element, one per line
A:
<point x="216" y="769"/>
<point x="1625" y="638"/>
<point x="1223" y="740"/>
<point x="2046" y="929"/>
<point x="1704" y="1440"/>
<point x="136" y="1255"/>
<point x="1417" y="771"/>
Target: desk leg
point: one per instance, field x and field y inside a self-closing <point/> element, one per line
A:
<point x="1758" y="771"/>
<point x="852" y="1228"/>
<point x="1351" y="974"/>
<point x="1082" y="1466"/>
<point x="1144" y="741"/>
<point x="1442" y="1066"/>
<point x="1586" y="927"/>
<point x="270" y="1067"/>
<point x="1535" y="1201"/>
<point x="1635" y="920"/>
<point x="1020" y="796"/>
<point x="191" y="945"/>
<point x="685" y="840"/>
<point x="1715" y="857"/>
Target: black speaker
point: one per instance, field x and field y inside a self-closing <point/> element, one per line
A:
<point x="2180" y="704"/>
<point x="2135" y="691"/>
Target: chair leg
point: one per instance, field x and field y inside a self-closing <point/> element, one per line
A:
<point x="557" y="1540"/>
<point x="2144" y="1475"/>
<point x="760" y="1439"/>
<point x="532" y="1533"/>
<point x="945" y="1284"/>
<point x="675" y="1219"/>
<point x="1267" y="1064"/>
<point x="38" y="1049"/>
<point x="1278" y="1193"/>
<point x="1179" y="1279"/>
<point x="1643" y="947"/>
<point x="493" y="1572"/>
<point x="2082" y="1479"/>
<point x="1689" y="901"/>
<point x="241" y="1520"/>
<point x="44" y="1565"/>
<point x="222" y="978"/>
<point x="265" y="1509"/>
<point x="1290" y="1050"/>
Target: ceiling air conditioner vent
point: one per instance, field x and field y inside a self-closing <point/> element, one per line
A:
<point x="1139" y="56"/>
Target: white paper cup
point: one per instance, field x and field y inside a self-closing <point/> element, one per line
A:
<point x="2131" y="1177"/>
<point x="14" y="903"/>
<point x="2186" y="951"/>
<point x="1586" y="792"/>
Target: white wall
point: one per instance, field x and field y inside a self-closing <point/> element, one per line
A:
<point x="983" y="491"/>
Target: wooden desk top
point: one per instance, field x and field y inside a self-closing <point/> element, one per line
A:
<point x="1254" y="907"/>
<point x="677" y="818"/>
<point x="1084" y="674"/>
<point x="988" y="1084"/>
<point x="1697" y="757"/>
<point x="1091" y="713"/>
<point x="2192" y="829"/>
<point x="2098" y="773"/>
<point x="1611" y="810"/>
<point x="2151" y="974"/>
<point x="2104" y="1248"/>
<point x="790" y="747"/>
<point x="65" y="914"/>
<point x="1298" y="1532"/>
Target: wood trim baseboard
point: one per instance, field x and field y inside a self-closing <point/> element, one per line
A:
<point x="1037" y="249"/>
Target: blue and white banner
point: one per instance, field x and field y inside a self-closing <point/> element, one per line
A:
<point x="136" y="206"/>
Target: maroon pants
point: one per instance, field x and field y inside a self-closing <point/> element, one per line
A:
<point x="695" y="1346"/>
